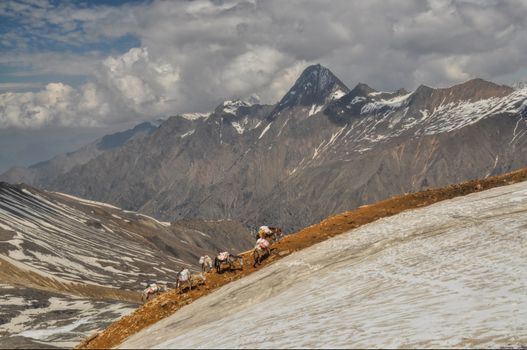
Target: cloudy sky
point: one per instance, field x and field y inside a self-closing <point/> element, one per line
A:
<point x="70" y="67"/>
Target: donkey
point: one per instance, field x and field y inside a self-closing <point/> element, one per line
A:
<point x="151" y="290"/>
<point x="187" y="277"/>
<point x="226" y="258"/>
<point x="261" y="250"/>
<point x="206" y="263"/>
<point x="183" y="276"/>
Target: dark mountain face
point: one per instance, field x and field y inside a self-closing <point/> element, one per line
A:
<point x="321" y="150"/>
<point x="316" y="86"/>
<point x="350" y="106"/>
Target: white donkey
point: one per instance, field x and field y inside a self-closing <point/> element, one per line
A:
<point x="206" y="263"/>
<point x="186" y="277"/>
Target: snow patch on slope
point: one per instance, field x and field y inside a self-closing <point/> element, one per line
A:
<point x="83" y="201"/>
<point x="264" y="130"/>
<point x="335" y="95"/>
<point x="67" y="319"/>
<point x="391" y="103"/>
<point x="449" y="275"/>
<point x="188" y="133"/>
<point x="240" y="126"/>
<point x="357" y="99"/>
<point x="451" y="116"/>
<point x="386" y="119"/>
<point x="315" y="109"/>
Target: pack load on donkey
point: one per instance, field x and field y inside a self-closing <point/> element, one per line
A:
<point x="184" y="277"/>
<point x="272" y="234"/>
<point x="190" y="279"/>
<point x="150" y="291"/>
<point x="206" y="263"/>
<point x="227" y="258"/>
<point x="266" y="236"/>
<point x="261" y="249"/>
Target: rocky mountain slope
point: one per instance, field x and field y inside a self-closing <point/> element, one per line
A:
<point x="320" y="150"/>
<point x="448" y="275"/>
<point x="41" y="174"/>
<point x="69" y="266"/>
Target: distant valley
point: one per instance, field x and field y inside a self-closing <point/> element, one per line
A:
<point x="69" y="266"/>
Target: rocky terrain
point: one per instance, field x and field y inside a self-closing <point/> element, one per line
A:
<point x="495" y="215"/>
<point x="323" y="148"/>
<point x="34" y="318"/>
<point x="69" y="266"/>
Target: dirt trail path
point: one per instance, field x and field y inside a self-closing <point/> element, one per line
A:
<point x="169" y="302"/>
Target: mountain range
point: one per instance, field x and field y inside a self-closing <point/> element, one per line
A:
<point x="156" y="197"/>
<point x="322" y="149"/>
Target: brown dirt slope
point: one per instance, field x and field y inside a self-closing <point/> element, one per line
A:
<point x="169" y="302"/>
<point x="17" y="276"/>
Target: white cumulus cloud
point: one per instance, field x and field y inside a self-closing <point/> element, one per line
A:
<point x="123" y="88"/>
<point x="190" y="56"/>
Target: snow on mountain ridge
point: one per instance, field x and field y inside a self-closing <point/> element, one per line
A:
<point x="195" y="116"/>
<point x="82" y="200"/>
<point x="392" y="103"/>
<point x="451" y="116"/>
<point x="240" y="126"/>
<point x="387" y="117"/>
<point x="231" y="107"/>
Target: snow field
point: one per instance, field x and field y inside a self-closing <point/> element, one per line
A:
<point x="450" y="275"/>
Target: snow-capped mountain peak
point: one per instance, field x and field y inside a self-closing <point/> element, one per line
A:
<point x="232" y="106"/>
<point x="195" y="116"/>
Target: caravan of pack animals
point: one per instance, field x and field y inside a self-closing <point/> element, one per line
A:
<point x="223" y="261"/>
